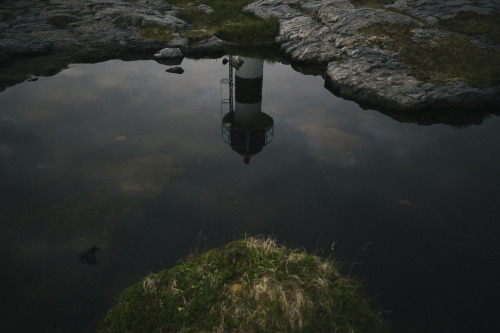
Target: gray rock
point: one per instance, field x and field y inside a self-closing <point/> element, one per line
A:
<point x="204" y="8"/>
<point x="168" y="53"/>
<point x="207" y="46"/>
<point x="430" y="10"/>
<point x="19" y="48"/>
<point x="326" y="32"/>
<point x="181" y="43"/>
<point x="374" y="76"/>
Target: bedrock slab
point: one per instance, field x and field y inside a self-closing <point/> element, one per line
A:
<point x="326" y="32"/>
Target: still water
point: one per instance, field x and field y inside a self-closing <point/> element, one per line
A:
<point x="138" y="162"/>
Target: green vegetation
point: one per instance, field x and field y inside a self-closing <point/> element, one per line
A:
<point x="196" y="35"/>
<point x="255" y="31"/>
<point x="157" y="33"/>
<point x="250" y="285"/>
<point x="442" y="59"/>
<point x="474" y="24"/>
<point x="228" y="21"/>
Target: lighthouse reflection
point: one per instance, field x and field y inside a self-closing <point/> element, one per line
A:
<point x="245" y="127"/>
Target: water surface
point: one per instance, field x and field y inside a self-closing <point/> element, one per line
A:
<point x="131" y="159"/>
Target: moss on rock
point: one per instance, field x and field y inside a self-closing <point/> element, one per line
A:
<point x="445" y="58"/>
<point x="249" y="285"/>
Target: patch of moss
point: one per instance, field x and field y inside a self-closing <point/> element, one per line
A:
<point x="253" y="31"/>
<point x="474" y="24"/>
<point x="250" y="285"/>
<point x="442" y="59"/>
<point x="228" y="21"/>
<point x="157" y="33"/>
<point x="197" y="35"/>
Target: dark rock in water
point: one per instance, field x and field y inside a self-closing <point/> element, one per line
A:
<point x="88" y="256"/>
<point x="175" y="70"/>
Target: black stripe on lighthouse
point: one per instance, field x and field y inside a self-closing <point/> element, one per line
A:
<point x="248" y="91"/>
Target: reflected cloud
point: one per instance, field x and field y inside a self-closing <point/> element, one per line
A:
<point x="145" y="176"/>
<point x="405" y="202"/>
<point x="333" y="146"/>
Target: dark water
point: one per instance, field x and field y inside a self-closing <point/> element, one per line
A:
<point x="131" y="159"/>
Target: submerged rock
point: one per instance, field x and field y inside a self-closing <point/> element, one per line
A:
<point x="88" y="256"/>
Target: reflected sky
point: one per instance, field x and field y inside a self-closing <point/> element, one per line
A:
<point x="129" y="158"/>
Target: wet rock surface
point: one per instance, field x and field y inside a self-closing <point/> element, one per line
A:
<point x="41" y="37"/>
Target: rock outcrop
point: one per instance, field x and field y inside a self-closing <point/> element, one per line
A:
<point x="67" y="31"/>
<point x="169" y="53"/>
<point x="327" y="32"/>
<point x="322" y="32"/>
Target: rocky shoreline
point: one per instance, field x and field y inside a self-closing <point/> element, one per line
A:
<point x="41" y="37"/>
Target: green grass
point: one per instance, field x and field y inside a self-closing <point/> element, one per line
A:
<point x="474" y="24"/>
<point x="443" y="59"/>
<point x="229" y="21"/>
<point x="254" y="31"/>
<point x="250" y="285"/>
<point x="196" y="35"/>
<point x="157" y="33"/>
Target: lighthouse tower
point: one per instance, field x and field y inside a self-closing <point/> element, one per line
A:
<point x="246" y="128"/>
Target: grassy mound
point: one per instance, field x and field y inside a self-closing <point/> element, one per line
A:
<point x="250" y="285"/>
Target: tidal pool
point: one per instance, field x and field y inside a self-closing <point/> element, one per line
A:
<point x="147" y="166"/>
